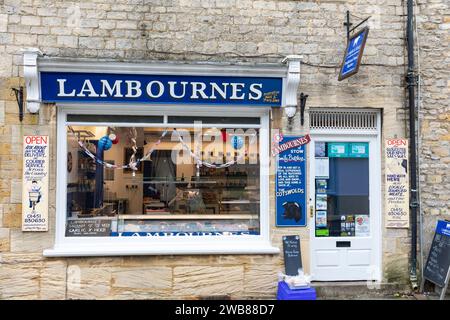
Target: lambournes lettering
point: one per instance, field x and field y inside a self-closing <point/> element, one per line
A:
<point x="152" y="88"/>
<point x="155" y="89"/>
<point x="291" y="144"/>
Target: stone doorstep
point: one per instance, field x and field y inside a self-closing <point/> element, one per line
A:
<point x="348" y="289"/>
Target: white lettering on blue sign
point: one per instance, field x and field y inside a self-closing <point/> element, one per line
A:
<point x="90" y="87"/>
<point x="156" y="89"/>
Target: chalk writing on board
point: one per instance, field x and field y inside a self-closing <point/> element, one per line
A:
<point x="292" y="256"/>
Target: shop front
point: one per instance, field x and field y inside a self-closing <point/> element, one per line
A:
<point x="161" y="159"/>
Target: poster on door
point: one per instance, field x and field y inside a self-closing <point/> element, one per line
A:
<point x="290" y="184"/>
<point x="397" y="183"/>
<point x="35" y="183"/>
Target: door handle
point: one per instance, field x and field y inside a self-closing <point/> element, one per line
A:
<point x="311" y="211"/>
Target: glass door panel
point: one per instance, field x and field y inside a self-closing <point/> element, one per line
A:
<point x="342" y="189"/>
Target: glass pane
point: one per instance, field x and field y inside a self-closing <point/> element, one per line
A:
<point x="202" y="181"/>
<point x="214" y="120"/>
<point x="342" y="189"/>
<point x="114" y="118"/>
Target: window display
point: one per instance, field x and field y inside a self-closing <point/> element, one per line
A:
<point x="155" y="180"/>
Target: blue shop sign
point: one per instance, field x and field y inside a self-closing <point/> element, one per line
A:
<point x="443" y="228"/>
<point x="170" y="89"/>
<point x="290" y="184"/>
<point x="353" y="54"/>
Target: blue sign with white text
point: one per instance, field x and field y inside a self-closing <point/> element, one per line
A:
<point x="443" y="228"/>
<point x="290" y="184"/>
<point x="170" y="89"/>
<point x="353" y="54"/>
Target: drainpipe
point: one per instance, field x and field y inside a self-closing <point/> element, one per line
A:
<point x="410" y="83"/>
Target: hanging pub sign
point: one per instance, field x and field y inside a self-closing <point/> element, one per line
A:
<point x="353" y="54"/>
<point x="145" y="88"/>
<point x="290" y="184"/>
<point x="397" y="183"/>
<point x="35" y="183"/>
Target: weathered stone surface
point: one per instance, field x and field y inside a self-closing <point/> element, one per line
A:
<point x="207" y="280"/>
<point x="30" y="241"/>
<point x="35" y="259"/>
<point x="143" y="278"/>
<point x="18" y="281"/>
<point x="16" y="191"/>
<point x="261" y="280"/>
<point x="88" y="283"/>
<point x="12" y="215"/>
<point x="2" y="113"/>
<point x="53" y="280"/>
<point x="4" y="239"/>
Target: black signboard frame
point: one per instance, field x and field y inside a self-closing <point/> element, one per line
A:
<point x="430" y="276"/>
<point x="363" y="45"/>
<point x="292" y="260"/>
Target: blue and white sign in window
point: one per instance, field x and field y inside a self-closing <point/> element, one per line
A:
<point x="353" y="54"/>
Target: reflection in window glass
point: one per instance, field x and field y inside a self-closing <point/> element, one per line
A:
<point x="342" y="189"/>
<point x="142" y="181"/>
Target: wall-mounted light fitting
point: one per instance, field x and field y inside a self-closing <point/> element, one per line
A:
<point x="18" y="92"/>
<point x="290" y="112"/>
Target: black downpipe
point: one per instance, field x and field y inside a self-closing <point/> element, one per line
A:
<point x="411" y="82"/>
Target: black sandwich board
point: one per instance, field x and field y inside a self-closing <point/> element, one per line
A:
<point x="292" y="256"/>
<point x="437" y="267"/>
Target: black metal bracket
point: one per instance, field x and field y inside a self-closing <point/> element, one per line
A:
<point x="411" y="79"/>
<point x="348" y="24"/>
<point x="18" y="92"/>
<point x="303" y="98"/>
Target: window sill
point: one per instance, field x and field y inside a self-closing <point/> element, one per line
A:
<point x="127" y="250"/>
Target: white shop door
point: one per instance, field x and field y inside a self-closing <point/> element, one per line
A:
<point x="345" y="197"/>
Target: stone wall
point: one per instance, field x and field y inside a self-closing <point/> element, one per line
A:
<point x="433" y="25"/>
<point x="211" y="30"/>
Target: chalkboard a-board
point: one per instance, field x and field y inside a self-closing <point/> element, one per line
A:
<point x="292" y="257"/>
<point x="438" y="262"/>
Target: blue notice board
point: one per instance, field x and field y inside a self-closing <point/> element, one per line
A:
<point x="353" y="54"/>
<point x="290" y="186"/>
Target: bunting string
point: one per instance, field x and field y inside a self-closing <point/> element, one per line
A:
<point x="134" y="163"/>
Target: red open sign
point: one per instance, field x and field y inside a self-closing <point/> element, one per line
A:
<point x="36" y="139"/>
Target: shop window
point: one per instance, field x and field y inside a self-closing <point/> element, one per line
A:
<point x="159" y="180"/>
<point x="114" y="118"/>
<point x="214" y="120"/>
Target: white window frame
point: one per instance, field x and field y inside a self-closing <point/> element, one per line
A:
<point x="170" y="245"/>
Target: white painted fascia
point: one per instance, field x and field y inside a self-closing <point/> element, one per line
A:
<point x="32" y="79"/>
<point x="128" y="249"/>
<point x="35" y="62"/>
